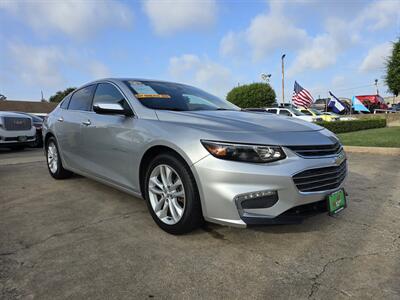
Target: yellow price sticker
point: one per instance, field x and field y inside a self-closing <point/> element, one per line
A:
<point x="142" y="96"/>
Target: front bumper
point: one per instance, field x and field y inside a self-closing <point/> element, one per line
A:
<point x="10" y="138"/>
<point x="221" y="181"/>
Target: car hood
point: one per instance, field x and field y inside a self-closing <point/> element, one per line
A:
<point x="237" y="121"/>
<point x="13" y="114"/>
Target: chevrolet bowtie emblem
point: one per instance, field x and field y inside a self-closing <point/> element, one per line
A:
<point x="340" y="158"/>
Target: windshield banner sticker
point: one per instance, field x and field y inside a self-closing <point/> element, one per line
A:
<point x="142" y="96"/>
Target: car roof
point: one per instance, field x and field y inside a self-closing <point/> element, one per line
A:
<point x="121" y="79"/>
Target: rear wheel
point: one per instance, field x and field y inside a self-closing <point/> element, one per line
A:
<point x="54" y="163"/>
<point x="171" y="195"/>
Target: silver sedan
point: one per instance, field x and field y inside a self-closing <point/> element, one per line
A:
<point x="194" y="157"/>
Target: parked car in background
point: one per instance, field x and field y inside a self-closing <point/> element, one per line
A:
<point x="38" y="123"/>
<point x="16" y="130"/>
<point x="395" y="107"/>
<point x="341" y="117"/>
<point x="193" y="156"/>
<point x="287" y="111"/>
<point x="317" y="114"/>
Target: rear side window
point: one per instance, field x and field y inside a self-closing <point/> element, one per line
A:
<point x="65" y="102"/>
<point x="82" y="99"/>
<point x="107" y="93"/>
<point x="284" y="112"/>
<point x="272" y="111"/>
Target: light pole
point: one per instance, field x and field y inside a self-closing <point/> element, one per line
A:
<point x="283" y="78"/>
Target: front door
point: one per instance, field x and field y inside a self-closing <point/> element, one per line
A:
<point x="107" y="139"/>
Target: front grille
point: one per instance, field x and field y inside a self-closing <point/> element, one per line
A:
<point x="15" y="123"/>
<point x="317" y="150"/>
<point x="321" y="179"/>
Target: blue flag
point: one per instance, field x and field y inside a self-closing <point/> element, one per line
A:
<point x="336" y="105"/>
<point x="357" y="105"/>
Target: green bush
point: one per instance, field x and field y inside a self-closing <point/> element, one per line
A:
<point x="353" y="125"/>
<point x="252" y="95"/>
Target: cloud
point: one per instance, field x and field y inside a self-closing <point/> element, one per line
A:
<point x="375" y="59"/>
<point x="266" y="33"/>
<point x="46" y="66"/>
<point x="98" y="70"/>
<point x="276" y="30"/>
<point x="232" y="44"/>
<point x="201" y="72"/>
<point x="323" y="50"/>
<point x="379" y="15"/>
<point x="169" y="16"/>
<point x="269" y="32"/>
<point x="37" y="65"/>
<point x="79" y="19"/>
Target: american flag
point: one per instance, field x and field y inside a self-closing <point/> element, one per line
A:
<point x="301" y="97"/>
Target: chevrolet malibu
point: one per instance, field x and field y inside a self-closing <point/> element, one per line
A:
<point x="195" y="157"/>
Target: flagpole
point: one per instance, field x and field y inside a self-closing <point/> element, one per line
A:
<point x="283" y="79"/>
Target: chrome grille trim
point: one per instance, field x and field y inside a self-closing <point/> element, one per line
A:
<point x="320" y="179"/>
<point x="16" y="123"/>
<point x="317" y="150"/>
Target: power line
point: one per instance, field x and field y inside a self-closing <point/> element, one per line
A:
<point x="343" y="89"/>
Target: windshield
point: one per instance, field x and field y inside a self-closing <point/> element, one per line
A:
<point x="297" y="112"/>
<point x="174" y="96"/>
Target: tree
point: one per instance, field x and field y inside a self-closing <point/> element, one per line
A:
<point x="2" y="97"/>
<point x="392" y="78"/>
<point x="61" y="94"/>
<point x="252" y="95"/>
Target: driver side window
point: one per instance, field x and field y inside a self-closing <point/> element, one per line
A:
<point x="107" y="93"/>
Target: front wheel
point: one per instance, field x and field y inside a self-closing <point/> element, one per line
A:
<point x="54" y="163"/>
<point x="171" y="195"/>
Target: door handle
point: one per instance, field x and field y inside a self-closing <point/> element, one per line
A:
<point x="86" y="123"/>
<point x="60" y="119"/>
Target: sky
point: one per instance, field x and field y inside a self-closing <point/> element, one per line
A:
<point x="339" y="45"/>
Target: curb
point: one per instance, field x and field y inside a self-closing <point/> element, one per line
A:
<point x="373" y="150"/>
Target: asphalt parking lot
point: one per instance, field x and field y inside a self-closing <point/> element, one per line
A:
<point x="79" y="239"/>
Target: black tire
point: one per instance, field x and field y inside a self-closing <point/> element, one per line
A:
<point x="60" y="173"/>
<point x="192" y="217"/>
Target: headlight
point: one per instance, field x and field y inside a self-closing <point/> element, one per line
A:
<point x="241" y="152"/>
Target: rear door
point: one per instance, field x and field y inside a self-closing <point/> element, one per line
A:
<point x="107" y="140"/>
<point x="68" y="126"/>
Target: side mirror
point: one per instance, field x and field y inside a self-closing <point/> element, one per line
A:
<point x="110" y="109"/>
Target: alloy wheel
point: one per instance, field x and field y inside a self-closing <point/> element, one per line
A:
<point x="167" y="194"/>
<point x="52" y="157"/>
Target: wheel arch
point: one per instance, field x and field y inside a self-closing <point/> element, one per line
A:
<point x="47" y="137"/>
<point x="149" y="155"/>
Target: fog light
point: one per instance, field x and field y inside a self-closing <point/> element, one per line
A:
<point x="260" y="199"/>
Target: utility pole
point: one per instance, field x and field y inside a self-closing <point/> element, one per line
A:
<point x="283" y="79"/>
